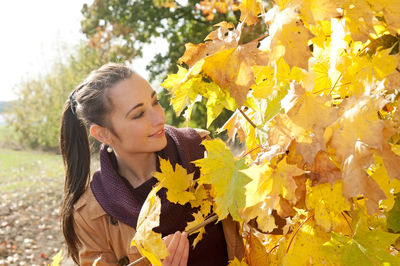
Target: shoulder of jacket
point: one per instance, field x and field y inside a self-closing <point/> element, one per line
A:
<point x="88" y="207"/>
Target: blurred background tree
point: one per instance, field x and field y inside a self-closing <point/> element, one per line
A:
<point x="36" y="113"/>
<point x="117" y="31"/>
<point x="125" y="26"/>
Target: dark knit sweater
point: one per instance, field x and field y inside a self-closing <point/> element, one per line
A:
<point x="123" y="202"/>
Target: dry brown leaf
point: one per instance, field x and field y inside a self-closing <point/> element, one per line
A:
<point x="324" y="170"/>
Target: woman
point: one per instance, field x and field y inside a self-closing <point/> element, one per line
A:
<point x="120" y="109"/>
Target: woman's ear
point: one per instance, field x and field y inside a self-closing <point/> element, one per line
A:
<point x="100" y="133"/>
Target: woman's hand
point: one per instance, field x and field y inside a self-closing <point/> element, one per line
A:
<point x="178" y="248"/>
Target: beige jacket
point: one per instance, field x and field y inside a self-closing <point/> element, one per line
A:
<point x="101" y="236"/>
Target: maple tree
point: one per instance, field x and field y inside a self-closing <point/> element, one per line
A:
<point x="316" y="104"/>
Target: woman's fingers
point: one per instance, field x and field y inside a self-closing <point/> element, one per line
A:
<point x="172" y="246"/>
<point x="178" y="248"/>
<point x="185" y="255"/>
<point x="168" y="239"/>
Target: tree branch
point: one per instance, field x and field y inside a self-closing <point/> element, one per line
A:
<point x="247" y="118"/>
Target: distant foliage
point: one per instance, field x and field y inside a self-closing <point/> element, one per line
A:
<point x="36" y="113"/>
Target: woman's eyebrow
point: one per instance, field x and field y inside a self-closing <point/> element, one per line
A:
<point x="138" y="105"/>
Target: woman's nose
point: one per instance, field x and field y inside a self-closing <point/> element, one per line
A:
<point x="158" y="117"/>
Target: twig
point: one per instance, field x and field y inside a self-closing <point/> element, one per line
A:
<point x="341" y="85"/>
<point x="247" y="118"/>
<point x="259" y="38"/>
<point x="295" y="233"/>
<point x="250" y="151"/>
<point x="189" y="231"/>
<point x="334" y="85"/>
<point x="352" y="232"/>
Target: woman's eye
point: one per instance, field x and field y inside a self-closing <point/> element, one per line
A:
<point x="138" y="115"/>
<point x="156" y="102"/>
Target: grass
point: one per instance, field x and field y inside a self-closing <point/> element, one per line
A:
<point x="21" y="169"/>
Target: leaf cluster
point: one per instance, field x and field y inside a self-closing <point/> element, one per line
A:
<point x="315" y="102"/>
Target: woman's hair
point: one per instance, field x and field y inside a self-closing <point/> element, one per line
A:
<point x="88" y="104"/>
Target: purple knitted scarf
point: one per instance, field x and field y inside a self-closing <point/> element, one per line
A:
<point x="121" y="201"/>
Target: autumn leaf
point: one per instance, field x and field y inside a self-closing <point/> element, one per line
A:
<point x="268" y="182"/>
<point x="222" y="171"/>
<point x="307" y="242"/>
<point x="359" y="121"/>
<point x="56" y="259"/>
<point x="198" y="219"/>
<point x="231" y="69"/>
<point x="149" y="243"/>
<point x="257" y="253"/>
<point x="390" y="186"/>
<point x="177" y="182"/>
<point x="202" y="200"/>
<point x="301" y="107"/>
<point x="249" y="9"/>
<point x="328" y="202"/>
<point x="237" y="124"/>
<point x="394" y="215"/>
<point x="236" y="262"/>
<point x="367" y="246"/>
<point x="356" y="182"/>
<point x="288" y="37"/>
<point x="324" y="170"/>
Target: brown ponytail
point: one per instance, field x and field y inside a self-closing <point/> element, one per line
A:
<point x="75" y="150"/>
<point x="91" y="105"/>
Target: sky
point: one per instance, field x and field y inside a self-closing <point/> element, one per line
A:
<point x="34" y="33"/>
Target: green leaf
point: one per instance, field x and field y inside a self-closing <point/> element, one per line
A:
<point x="222" y="171"/>
<point x="393" y="220"/>
<point x="366" y="247"/>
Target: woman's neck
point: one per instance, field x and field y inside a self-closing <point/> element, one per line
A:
<point x="137" y="168"/>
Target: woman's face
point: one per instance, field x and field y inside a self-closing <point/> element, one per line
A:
<point x="137" y="117"/>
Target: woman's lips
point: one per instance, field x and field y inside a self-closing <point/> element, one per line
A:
<point x="158" y="134"/>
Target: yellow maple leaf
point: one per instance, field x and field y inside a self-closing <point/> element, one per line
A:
<point x="356" y="182"/>
<point x="56" y="259"/>
<point x="322" y="80"/>
<point x="257" y="253"/>
<point x="249" y="9"/>
<point x="288" y="37"/>
<point x="222" y="171"/>
<point x="359" y="121"/>
<point x="389" y="186"/>
<point x="307" y="117"/>
<point x="322" y="32"/>
<point x="224" y="37"/>
<point x="324" y="169"/>
<point x="198" y="219"/>
<point x="202" y="200"/>
<point x="236" y="262"/>
<point x="359" y="15"/>
<point x="390" y="12"/>
<point x="268" y="181"/>
<point x="237" y="124"/>
<point x="328" y="202"/>
<point x="313" y="11"/>
<point x="226" y="62"/>
<point x="184" y="90"/>
<point x="176" y="182"/>
<point x="307" y="242"/>
<point x="149" y="243"/>
<point x="231" y="69"/>
<point x="218" y="99"/>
